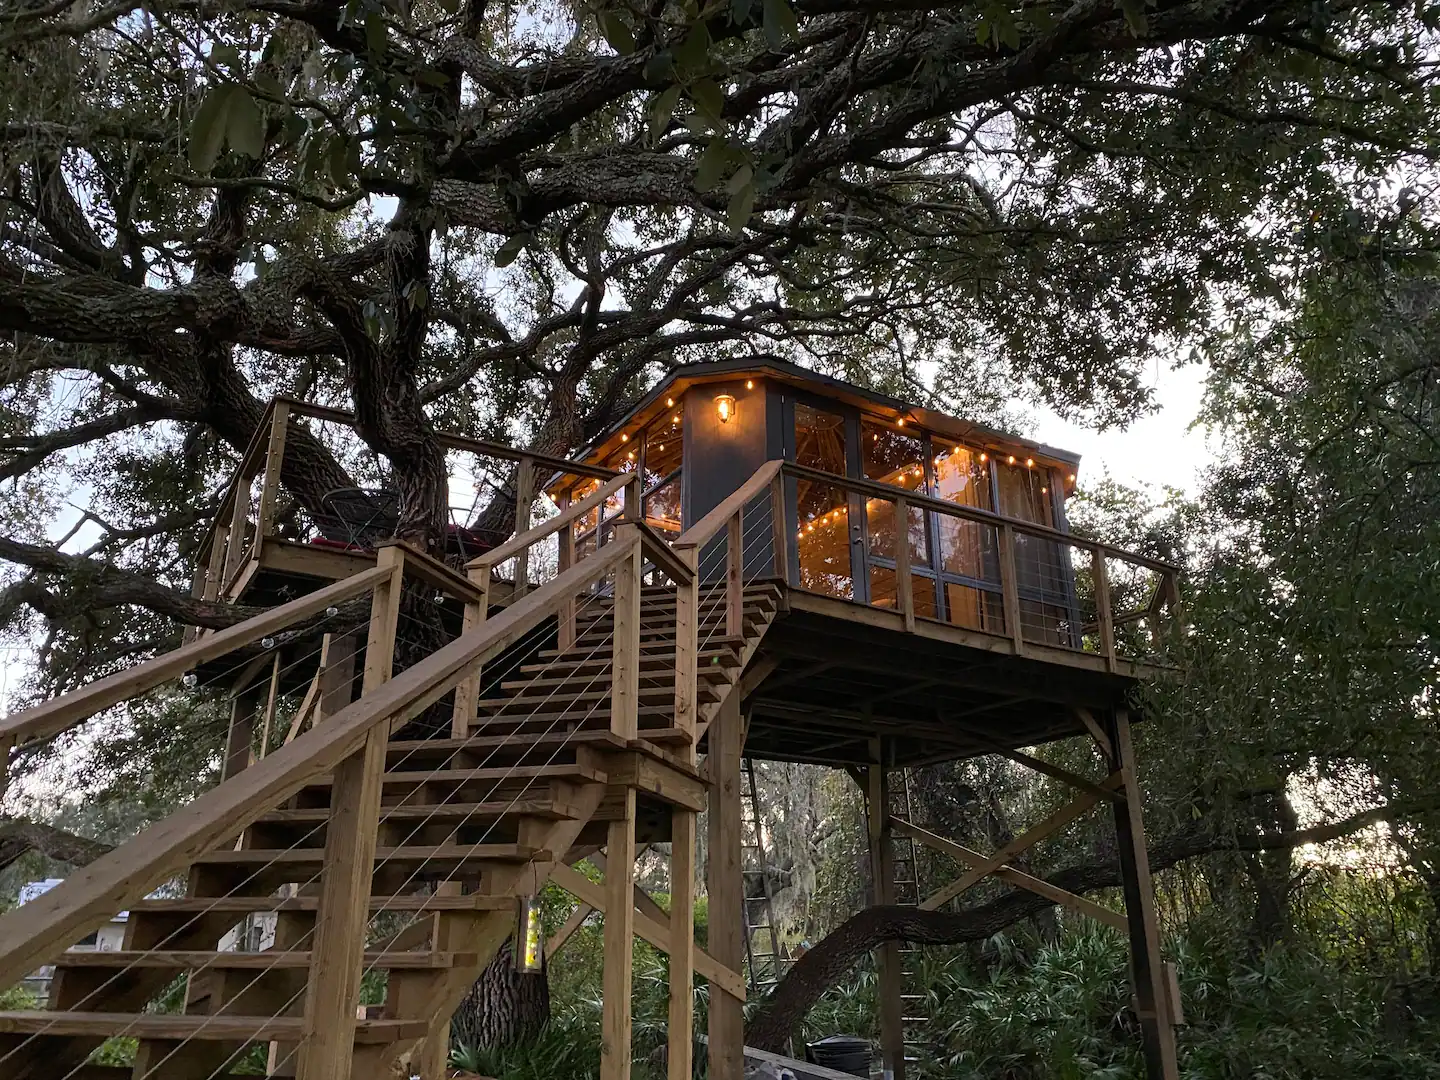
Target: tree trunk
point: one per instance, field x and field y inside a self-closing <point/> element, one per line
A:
<point x="504" y="1007"/>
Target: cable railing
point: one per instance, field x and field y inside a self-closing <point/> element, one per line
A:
<point x="298" y="763"/>
<point x="925" y="558"/>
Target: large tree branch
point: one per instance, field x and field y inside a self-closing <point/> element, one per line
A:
<point x="821" y="967"/>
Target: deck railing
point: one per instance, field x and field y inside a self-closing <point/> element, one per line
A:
<point x="249" y="513"/>
<point x="929" y="559"/>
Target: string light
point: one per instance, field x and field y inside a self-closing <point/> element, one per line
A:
<point x="749" y="384"/>
<point x="1010" y="460"/>
<point x="900" y="422"/>
<point x="675" y="419"/>
<point x="624" y="438"/>
<point x="1029" y="462"/>
<point x="1072" y="478"/>
<point x="631" y="455"/>
<point x="984" y="458"/>
<point x="669" y="402"/>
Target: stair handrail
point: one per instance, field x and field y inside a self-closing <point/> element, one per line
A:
<point x="60" y="714"/>
<point x="515" y="545"/>
<point x="708" y="526"/>
<point x="32" y="934"/>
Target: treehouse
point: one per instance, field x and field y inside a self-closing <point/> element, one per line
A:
<point x="757" y="562"/>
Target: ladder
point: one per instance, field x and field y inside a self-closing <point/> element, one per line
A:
<point x="908" y="891"/>
<point x="764" y="958"/>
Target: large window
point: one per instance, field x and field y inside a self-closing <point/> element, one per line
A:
<point x="664" y="450"/>
<point x="824" y="509"/>
<point x="1042" y="567"/>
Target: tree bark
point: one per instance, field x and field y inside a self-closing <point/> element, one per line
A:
<point x="504" y="1007"/>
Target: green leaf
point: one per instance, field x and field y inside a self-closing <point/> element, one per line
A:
<point x="417" y="295"/>
<point x="245" y="125"/>
<point x="510" y="250"/>
<point x="662" y="111"/>
<point x="617" y="32"/>
<point x="709" y="99"/>
<point x="1135" y="16"/>
<point x="207" y="129"/>
<point x="780" y="22"/>
<point x="227" y="55"/>
<point x="376" y="37"/>
<point x="742" y="205"/>
<point x="711" y="166"/>
<point x="268" y="84"/>
<point x="744" y="177"/>
<point x="693" y="55"/>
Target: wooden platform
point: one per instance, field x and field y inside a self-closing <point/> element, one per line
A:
<point x="832" y="675"/>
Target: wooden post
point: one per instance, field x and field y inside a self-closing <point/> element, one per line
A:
<point x="904" y="587"/>
<point x="882" y="870"/>
<point x="333" y="990"/>
<point x="681" y="1026"/>
<point x="687" y="670"/>
<point x="615" y="1049"/>
<point x="780" y="531"/>
<point x="1146" y="966"/>
<point x="270" y="488"/>
<point x="726" y="890"/>
<point x="625" y="663"/>
<point x="467" y="693"/>
<point x="337" y="676"/>
<point x="735" y="575"/>
<point x="242" y="730"/>
<point x="565" y="560"/>
<point x="524" y="496"/>
<point x="1010" y="587"/>
<point x="239" y="516"/>
<point x="1104" y="617"/>
<point x="271" y="700"/>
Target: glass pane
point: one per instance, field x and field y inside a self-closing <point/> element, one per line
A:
<point x="880" y="528"/>
<point x="662" y="507"/>
<point x="664" y="444"/>
<point x="820" y="440"/>
<point x="974" y="609"/>
<point x="1024" y="492"/>
<point x="960" y="475"/>
<point x="967" y="548"/>
<point x="823" y="542"/>
<point x="890" y="456"/>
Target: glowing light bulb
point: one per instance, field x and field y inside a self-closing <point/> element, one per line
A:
<point x="1010" y="460"/>
<point x="191" y="680"/>
<point x="749" y="384"/>
<point x="675" y="419"/>
<point x="1072" y="478"/>
<point x="624" y="438"/>
<point x="631" y="455"/>
<point x="984" y="457"/>
<point x="1029" y="462"/>
<point x="900" y="422"/>
<point x="669" y="402"/>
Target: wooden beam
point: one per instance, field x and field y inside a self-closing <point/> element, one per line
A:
<point x="270" y="486"/>
<point x="625" y="646"/>
<point x="882" y="872"/>
<point x="561" y="937"/>
<point x="726" y="889"/>
<point x="1026" y="840"/>
<point x="271" y="700"/>
<point x="687" y="669"/>
<point x="904" y="587"/>
<point x="656" y="932"/>
<point x="64" y="712"/>
<point x="1146" y="966"/>
<point x="333" y="988"/>
<point x="1010" y="588"/>
<point x="615" y="1031"/>
<point x="238" y="749"/>
<point x="337" y="677"/>
<point x="1096" y="732"/>
<point x="735" y="575"/>
<point x="524" y="498"/>
<point x="680" y="1029"/>
<point x="1010" y="875"/>
<point x="1104" y="617"/>
<point x="467" y="694"/>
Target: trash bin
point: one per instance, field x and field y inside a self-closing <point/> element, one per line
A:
<point x="844" y="1053"/>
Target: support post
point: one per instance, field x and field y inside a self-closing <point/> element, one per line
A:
<point x="687" y="669"/>
<point x="735" y="575"/>
<point x="904" y="587"/>
<point x="270" y="486"/>
<point x="1147" y="969"/>
<point x="243" y="708"/>
<point x="1104" y="617"/>
<point x="342" y="916"/>
<point x="882" y="870"/>
<point x="625" y="663"/>
<point x="524" y="496"/>
<point x="1010" y="587"/>
<point x="615" y="1049"/>
<point x="726" y="890"/>
<point x="565" y="560"/>
<point x="681" y="1026"/>
<point x="467" y="693"/>
<point x="780" y="538"/>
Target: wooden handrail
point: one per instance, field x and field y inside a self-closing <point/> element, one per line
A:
<point x="434" y="572"/>
<point x="657" y="549"/>
<point x="704" y="529"/>
<point x="971" y="513"/>
<point x="31" y="935"/>
<point x="53" y="717"/>
<point x="516" y="544"/>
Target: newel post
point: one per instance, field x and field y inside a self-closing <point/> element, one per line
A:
<point x="338" y="947"/>
<point x="625" y="647"/>
<point x="270" y="488"/>
<point x="467" y="692"/>
<point x="1104" y="616"/>
<point x="735" y="575"/>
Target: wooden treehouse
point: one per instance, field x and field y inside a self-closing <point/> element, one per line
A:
<point x="758" y="563"/>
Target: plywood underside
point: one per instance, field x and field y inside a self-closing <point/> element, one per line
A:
<point x="835" y="680"/>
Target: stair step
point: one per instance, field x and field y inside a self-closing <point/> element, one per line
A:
<point x="513" y="774"/>
<point x="600" y="680"/>
<point x="176" y="1027"/>
<point x="663" y="695"/>
<point x="435" y="855"/>
<point x="185" y="960"/>
<point x="249" y="905"/>
<point x="442" y="813"/>
<point x="725" y="649"/>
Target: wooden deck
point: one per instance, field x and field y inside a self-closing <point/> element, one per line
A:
<point x="833" y="675"/>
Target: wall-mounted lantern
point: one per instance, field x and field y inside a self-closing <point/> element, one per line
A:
<point x="725" y="407"/>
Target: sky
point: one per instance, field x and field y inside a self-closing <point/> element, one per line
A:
<point x="1159" y="450"/>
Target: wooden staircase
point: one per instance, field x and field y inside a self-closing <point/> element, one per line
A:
<point x="465" y="826"/>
